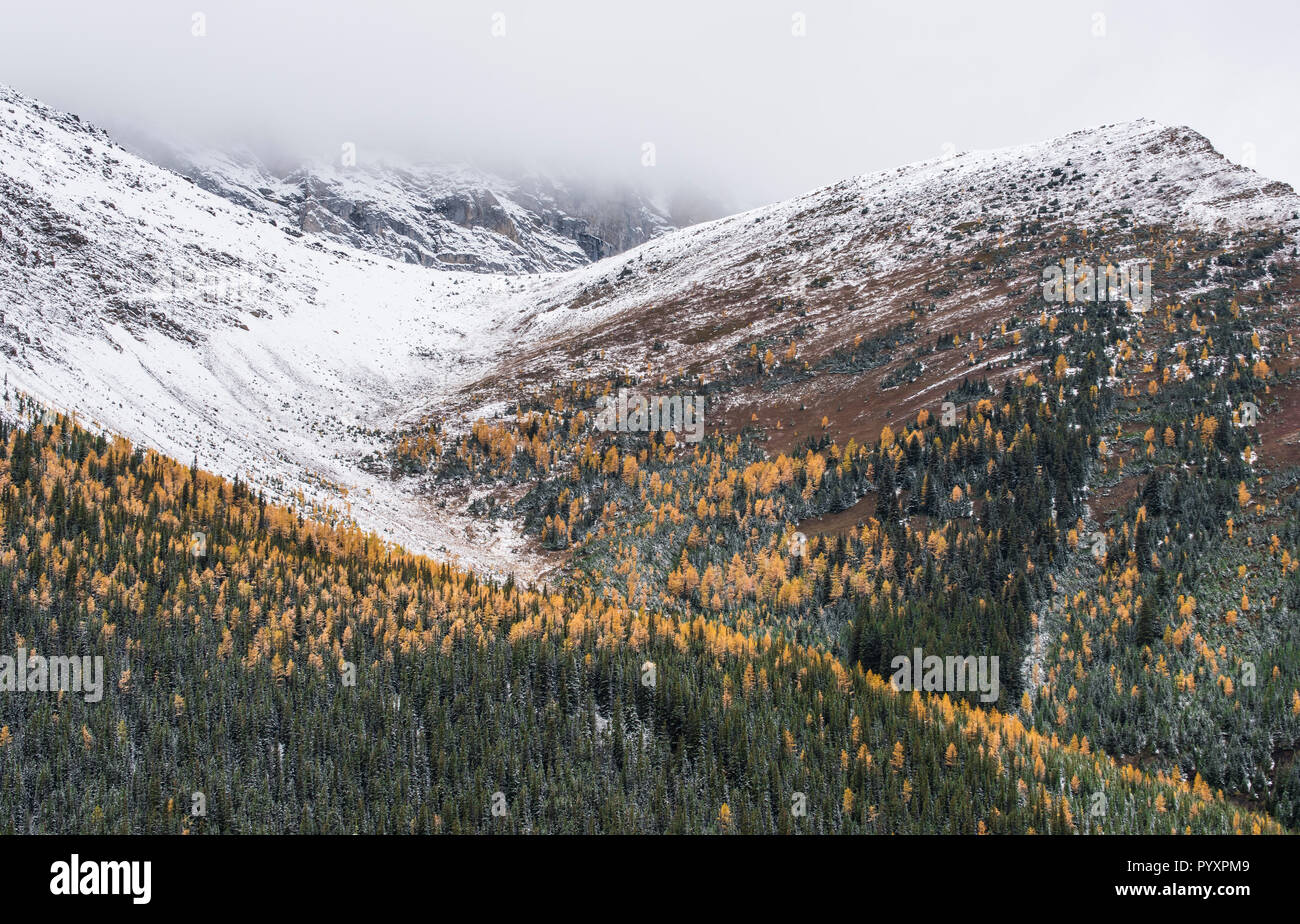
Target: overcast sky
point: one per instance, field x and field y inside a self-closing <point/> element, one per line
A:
<point x="732" y="97"/>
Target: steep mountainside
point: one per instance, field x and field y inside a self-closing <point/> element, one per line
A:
<point x="909" y="442"/>
<point x="185" y="321"/>
<point x="965" y="237"/>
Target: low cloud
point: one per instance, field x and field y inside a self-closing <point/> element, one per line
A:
<point x="743" y="102"/>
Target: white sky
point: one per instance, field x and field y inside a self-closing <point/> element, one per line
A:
<point x="732" y="100"/>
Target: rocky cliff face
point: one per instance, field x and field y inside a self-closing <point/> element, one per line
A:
<point x="435" y="216"/>
<point x="604" y="221"/>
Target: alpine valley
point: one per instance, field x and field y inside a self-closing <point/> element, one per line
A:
<point x="314" y="460"/>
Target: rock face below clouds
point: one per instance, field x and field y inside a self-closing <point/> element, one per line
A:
<point x="436" y="216"/>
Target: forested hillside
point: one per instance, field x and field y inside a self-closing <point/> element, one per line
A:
<point x="307" y="678"/>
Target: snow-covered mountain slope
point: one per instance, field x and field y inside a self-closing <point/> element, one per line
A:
<point x="870" y="241"/>
<point x="954" y="248"/>
<point x="187" y="323"/>
<point x="438" y="216"/>
<point x="202" y="326"/>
